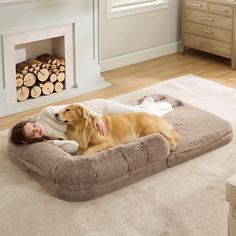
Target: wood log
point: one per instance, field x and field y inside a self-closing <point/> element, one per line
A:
<point x="58" y="63"/>
<point x="40" y="84"/>
<point x="56" y="71"/>
<point x="22" y="93"/>
<point x="61" y="77"/>
<point x="43" y="75"/>
<point x="37" y="68"/>
<point x="31" y="69"/>
<point x="43" y="65"/>
<point x="34" y="63"/>
<point x="62" y="68"/>
<point x="45" y="58"/>
<point x="19" y="75"/>
<point x="54" y="59"/>
<point x="54" y="67"/>
<point x="48" y="59"/>
<point x="29" y="79"/>
<point x="48" y="88"/>
<point x="48" y="66"/>
<point x="53" y="77"/>
<point x="62" y="62"/>
<point x="35" y="91"/>
<point x="22" y="66"/>
<point x="20" y="71"/>
<point x="19" y="82"/>
<point x="59" y="87"/>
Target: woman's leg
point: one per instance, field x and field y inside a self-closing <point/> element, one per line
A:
<point x="104" y="106"/>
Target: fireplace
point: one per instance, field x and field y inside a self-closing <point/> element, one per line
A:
<point x="21" y="48"/>
<point x="67" y="30"/>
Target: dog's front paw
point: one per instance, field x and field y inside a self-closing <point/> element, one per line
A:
<point x="89" y="152"/>
<point x="173" y="146"/>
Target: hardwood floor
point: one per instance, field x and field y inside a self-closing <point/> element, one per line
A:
<point x="150" y="72"/>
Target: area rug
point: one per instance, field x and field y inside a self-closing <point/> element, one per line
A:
<point x="186" y="200"/>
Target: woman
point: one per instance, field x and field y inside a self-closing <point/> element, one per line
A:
<point x="32" y="131"/>
<point x="45" y="127"/>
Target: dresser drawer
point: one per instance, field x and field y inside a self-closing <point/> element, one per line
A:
<point x="208" y="32"/>
<point x="208" y="45"/>
<point x="208" y="19"/>
<point x="219" y="9"/>
<point x="195" y="4"/>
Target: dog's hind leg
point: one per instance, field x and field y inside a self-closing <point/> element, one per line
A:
<point x="165" y="129"/>
<point x="171" y="135"/>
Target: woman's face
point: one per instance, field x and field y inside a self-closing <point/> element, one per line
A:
<point x="33" y="130"/>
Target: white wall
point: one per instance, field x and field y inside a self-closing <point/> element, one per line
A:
<point x="131" y="34"/>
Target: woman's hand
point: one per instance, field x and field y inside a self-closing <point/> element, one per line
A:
<point x="100" y="125"/>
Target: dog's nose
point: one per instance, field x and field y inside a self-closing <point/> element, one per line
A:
<point x="56" y="115"/>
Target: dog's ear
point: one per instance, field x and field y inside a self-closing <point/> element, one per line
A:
<point x="86" y="113"/>
<point x="79" y="111"/>
<point x="83" y="112"/>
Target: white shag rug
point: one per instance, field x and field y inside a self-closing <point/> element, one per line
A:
<point x="187" y="200"/>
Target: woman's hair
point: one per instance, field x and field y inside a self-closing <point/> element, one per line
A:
<point x="18" y="134"/>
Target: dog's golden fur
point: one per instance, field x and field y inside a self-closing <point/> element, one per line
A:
<point x="121" y="128"/>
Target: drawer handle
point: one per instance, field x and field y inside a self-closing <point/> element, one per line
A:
<point x="195" y="4"/>
<point x="207" y="19"/>
<point x="207" y="31"/>
<point x="204" y="43"/>
<point x="221" y="10"/>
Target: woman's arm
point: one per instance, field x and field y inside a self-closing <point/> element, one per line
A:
<point x="100" y="125"/>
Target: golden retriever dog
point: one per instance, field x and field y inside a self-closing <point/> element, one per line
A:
<point x="121" y="128"/>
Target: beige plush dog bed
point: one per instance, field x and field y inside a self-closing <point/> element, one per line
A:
<point x="78" y="178"/>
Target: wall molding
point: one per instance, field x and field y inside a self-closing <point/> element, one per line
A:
<point x="139" y="56"/>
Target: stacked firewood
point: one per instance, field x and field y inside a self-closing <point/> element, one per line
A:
<point x="41" y="76"/>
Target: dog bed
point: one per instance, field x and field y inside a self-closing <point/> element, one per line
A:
<point x="79" y="178"/>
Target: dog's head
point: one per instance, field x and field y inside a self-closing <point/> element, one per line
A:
<point x="73" y="114"/>
<point x="78" y="119"/>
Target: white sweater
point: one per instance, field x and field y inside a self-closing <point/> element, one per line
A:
<point x="53" y="128"/>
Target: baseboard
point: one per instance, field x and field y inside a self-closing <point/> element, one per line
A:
<point x="139" y="56"/>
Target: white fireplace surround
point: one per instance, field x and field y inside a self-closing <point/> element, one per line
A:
<point x="11" y="41"/>
<point x="77" y="22"/>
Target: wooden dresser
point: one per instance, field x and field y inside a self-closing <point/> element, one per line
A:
<point x="210" y="26"/>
